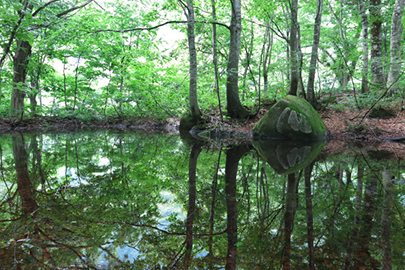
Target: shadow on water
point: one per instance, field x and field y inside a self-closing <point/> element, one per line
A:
<point x="107" y="200"/>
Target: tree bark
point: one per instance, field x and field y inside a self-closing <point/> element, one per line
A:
<point x="295" y="74"/>
<point x="376" y="45"/>
<point x="314" y="54"/>
<point x="21" y="61"/>
<point x="195" y="110"/>
<point x="364" y="25"/>
<point x="235" y="108"/>
<point x="395" y="45"/>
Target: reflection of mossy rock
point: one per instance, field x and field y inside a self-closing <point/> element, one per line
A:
<point x="287" y="157"/>
<point x="292" y="118"/>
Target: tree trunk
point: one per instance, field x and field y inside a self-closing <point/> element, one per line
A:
<point x="21" y="61"/>
<point x="195" y="110"/>
<point x="215" y="56"/>
<point x="266" y="54"/>
<point x="395" y="45"/>
<point x="364" y="24"/>
<point x="314" y="54"/>
<point x="376" y="45"/>
<point x="235" y="108"/>
<point x="295" y="74"/>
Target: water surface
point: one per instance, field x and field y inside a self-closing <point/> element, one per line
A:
<point x="108" y="200"/>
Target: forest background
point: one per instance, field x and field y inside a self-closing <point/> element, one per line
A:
<point x="97" y="60"/>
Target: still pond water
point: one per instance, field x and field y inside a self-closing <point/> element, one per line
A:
<point x="108" y="200"/>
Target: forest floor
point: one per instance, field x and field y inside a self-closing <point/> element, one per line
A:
<point x="348" y="129"/>
<point x="341" y="125"/>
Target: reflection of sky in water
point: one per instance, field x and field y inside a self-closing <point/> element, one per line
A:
<point x="167" y="209"/>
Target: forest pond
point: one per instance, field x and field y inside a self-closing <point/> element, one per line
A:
<point x="111" y="200"/>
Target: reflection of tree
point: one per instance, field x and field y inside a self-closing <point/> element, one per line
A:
<point x="363" y="259"/>
<point x="192" y="175"/>
<point x="310" y="216"/>
<point x="25" y="189"/>
<point x="387" y="210"/>
<point x="290" y="208"/>
<point x="233" y="156"/>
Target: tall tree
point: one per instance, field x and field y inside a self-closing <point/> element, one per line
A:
<point x="364" y="37"/>
<point x="23" y="52"/>
<point x="215" y="54"/>
<point x="21" y="61"/>
<point x="395" y="45"/>
<point x="235" y="108"/>
<point x="314" y="54"/>
<point x="376" y="44"/>
<point x="294" y="40"/>
<point x="195" y="110"/>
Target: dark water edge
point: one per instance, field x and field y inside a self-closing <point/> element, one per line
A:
<point x="122" y="200"/>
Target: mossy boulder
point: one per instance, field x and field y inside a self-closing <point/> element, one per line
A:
<point x="287" y="157"/>
<point x="292" y="118"/>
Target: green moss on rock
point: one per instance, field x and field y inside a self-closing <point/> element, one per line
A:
<point x="292" y="118"/>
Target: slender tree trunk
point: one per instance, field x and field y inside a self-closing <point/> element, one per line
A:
<point x="195" y="110"/>
<point x="295" y="74"/>
<point x="266" y="54"/>
<point x="192" y="176"/>
<point x="376" y="45"/>
<point x="215" y="56"/>
<point x="235" y="108"/>
<point x="395" y="45"/>
<point x="314" y="54"/>
<point x="364" y="37"/>
<point x="33" y="94"/>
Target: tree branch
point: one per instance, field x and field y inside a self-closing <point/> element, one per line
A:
<point x="73" y="9"/>
<point x="154" y="27"/>
<point x="44" y="6"/>
<point x="13" y="33"/>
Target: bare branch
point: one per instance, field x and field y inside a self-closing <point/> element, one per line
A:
<point x="73" y="9"/>
<point x="154" y="27"/>
<point x="44" y="6"/>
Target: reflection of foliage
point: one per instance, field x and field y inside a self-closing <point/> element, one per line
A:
<point x="120" y="201"/>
